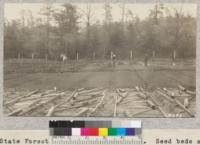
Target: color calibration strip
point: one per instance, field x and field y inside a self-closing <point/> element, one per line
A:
<point x="95" y="128"/>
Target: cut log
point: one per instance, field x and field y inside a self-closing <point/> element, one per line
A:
<point x="191" y="92"/>
<point x="140" y="112"/>
<point x="130" y="100"/>
<point x="98" y="105"/>
<point x="143" y="96"/>
<point x="186" y="102"/>
<point x="122" y="90"/>
<point x="43" y="97"/>
<point x="48" y="92"/>
<point x="75" y="95"/>
<point x="186" y="91"/>
<point x="87" y="98"/>
<point x="90" y="91"/>
<point x="85" y="103"/>
<point x="181" y="88"/>
<point x="80" y="89"/>
<point x="66" y="100"/>
<point x="127" y="113"/>
<point x="165" y="96"/>
<point x="157" y="106"/>
<point x="20" y="110"/>
<point x="15" y="112"/>
<point x="51" y="111"/>
<point x="38" y="105"/>
<point x="19" y="98"/>
<point x="83" y="111"/>
<point x="151" y="104"/>
<point x="115" y="108"/>
<point x="121" y="96"/>
<point x="137" y="88"/>
<point x="172" y="94"/>
<point x="183" y="107"/>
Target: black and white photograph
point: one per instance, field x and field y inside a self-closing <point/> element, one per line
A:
<point x="100" y="59"/>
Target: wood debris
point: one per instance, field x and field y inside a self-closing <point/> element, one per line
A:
<point x="119" y="102"/>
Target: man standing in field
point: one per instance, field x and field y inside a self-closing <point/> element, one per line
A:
<point x="64" y="58"/>
<point x="113" y="58"/>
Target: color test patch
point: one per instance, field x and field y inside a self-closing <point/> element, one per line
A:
<point x="130" y="131"/>
<point x="103" y="131"/>
<point x="77" y="128"/>
<point x="94" y="131"/>
<point x="85" y="132"/>
<point x="112" y="131"/>
<point x="94" y="124"/>
<point x="121" y="132"/>
<point x="76" y="132"/>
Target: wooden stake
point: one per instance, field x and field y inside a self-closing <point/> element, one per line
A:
<point x="131" y="54"/>
<point x="77" y="56"/>
<point x="32" y="55"/>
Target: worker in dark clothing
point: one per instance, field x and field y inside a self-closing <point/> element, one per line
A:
<point x="113" y="57"/>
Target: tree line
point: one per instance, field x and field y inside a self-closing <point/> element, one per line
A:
<point x="165" y="33"/>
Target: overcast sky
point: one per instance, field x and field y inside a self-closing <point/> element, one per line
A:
<point x="12" y="10"/>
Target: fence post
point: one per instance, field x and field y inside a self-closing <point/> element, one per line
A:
<point x="77" y="56"/>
